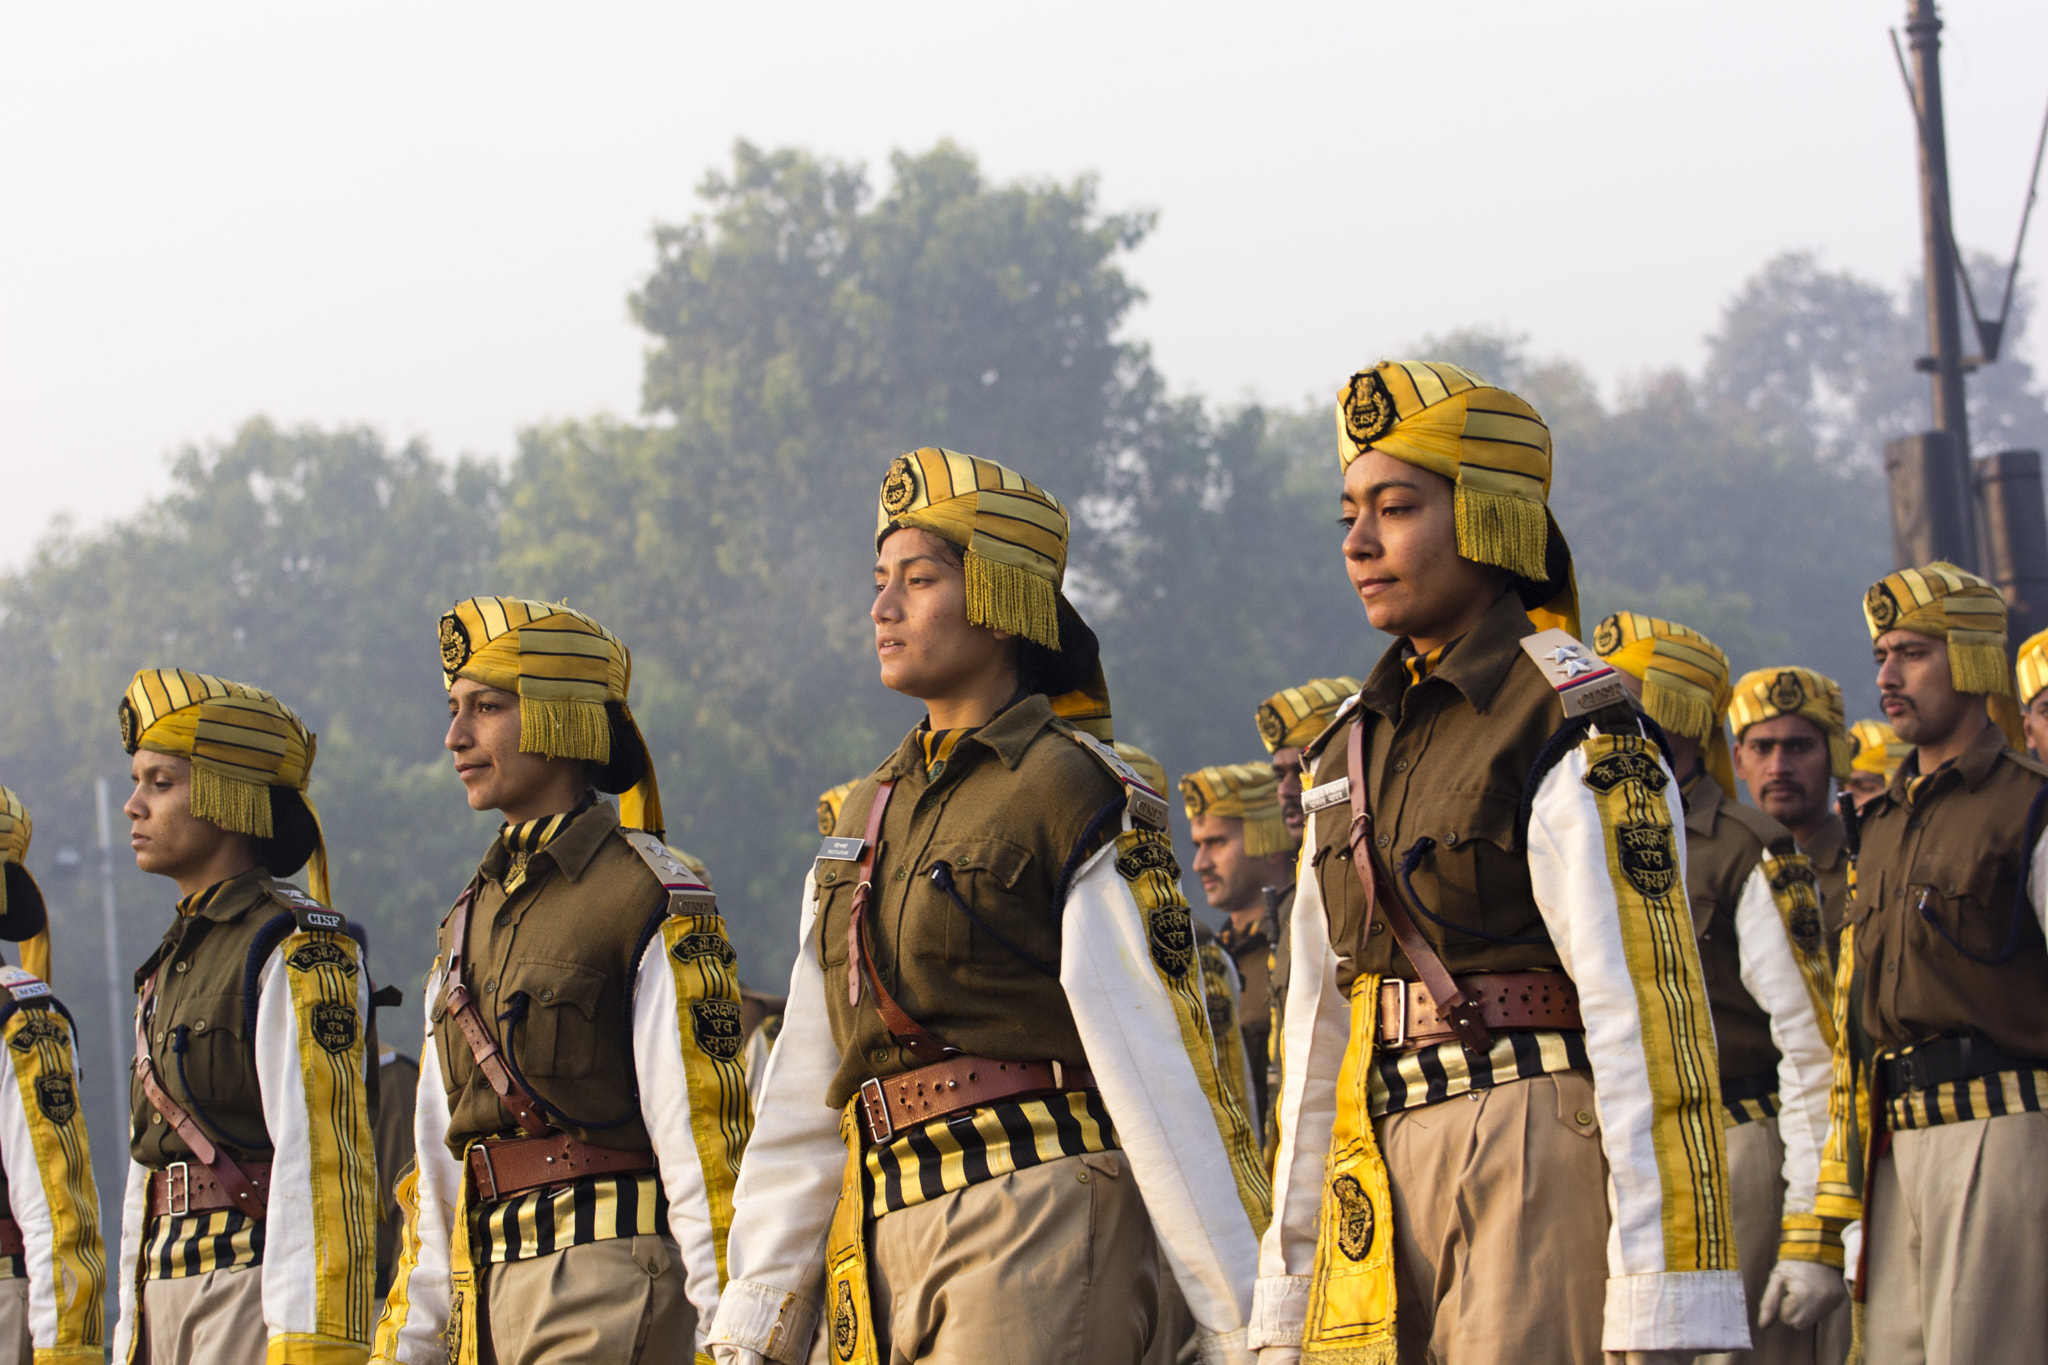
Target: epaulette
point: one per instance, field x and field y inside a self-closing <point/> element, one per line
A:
<point x="23" y="987"/>
<point x="1584" y="683"/>
<point x="312" y="917"/>
<point x="1147" y="807"/>
<point x="687" y="893"/>
<point x="1314" y="748"/>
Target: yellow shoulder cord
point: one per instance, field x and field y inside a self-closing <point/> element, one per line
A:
<point x="1351" y="1300"/>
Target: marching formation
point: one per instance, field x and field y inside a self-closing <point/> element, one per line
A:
<point x="1523" y="1037"/>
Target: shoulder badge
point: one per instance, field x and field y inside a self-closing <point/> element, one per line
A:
<point x="22" y="986"/>
<point x="687" y="893"/>
<point x="1345" y="710"/>
<point x="322" y="953"/>
<point x="1147" y="807"/>
<point x="39" y="1026"/>
<point x="313" y="917"/>
<point x="1583" y="682"/>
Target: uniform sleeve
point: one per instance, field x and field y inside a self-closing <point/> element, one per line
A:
<point x="50" y="1188"/>
<point x="134" y="1223"/>
<point x="1128" y="966"/>
<point x="1607" y="867"/>
<point x="1784" y="981"/>
<point x="2037" y="880"/>
<point x="416" y="1308"/>
<point x="789" y="1183"/>
<point x="320" y="1233"/>
<point x="693" y="1090"/>
<point x="1314" y="1036"/>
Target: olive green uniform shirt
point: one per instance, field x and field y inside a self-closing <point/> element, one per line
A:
<point x="1828" y="852"/>
<point x="1724" y="842"/>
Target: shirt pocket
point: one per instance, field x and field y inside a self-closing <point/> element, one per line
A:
<point x="990" y="877"/>
<point x="558" y="1036"/>
<point x="218" y="1060"/>
<point x="1959" y="912"/>
<point x="835" y="884"/>
<point x="1471" y="875"/>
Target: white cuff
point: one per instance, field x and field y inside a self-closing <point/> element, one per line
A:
<point x="1279" y="1310"/>
<point x="1222" y="1348"/>
<point x="1695" y="1310"/>
<point x="761" y="1317"/>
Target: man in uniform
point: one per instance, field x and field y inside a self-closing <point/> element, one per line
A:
<point x="1878" y="754"/>
<point x="1242" y="847"/>
<point x="53" y="1266"/>
<point x="996" y="1096"/>
<point x="1790" y="751"/>
<point x="1756" y="911"/>
<point x="582" y="1104"/>
<point x="249" y="1228"/>
<point x="1287" y="721"/>
<point x="1946" y="933"/>
<point x="2033" y="680"/>
<point x="1500" y="1111"/>
<point x="398" y="1084"/>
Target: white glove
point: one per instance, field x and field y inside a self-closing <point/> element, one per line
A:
<point x="1852" y="1251"/>
<point x="1651" y="1357"/>
<point x="1800" y="1293"/>
<point x="725" y="1353"/>
<point x="1279" y="1355"/>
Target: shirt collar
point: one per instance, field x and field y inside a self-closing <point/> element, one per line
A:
<point x="1971" y="766"/>
<point x="1008" y="734"/>
<point x="225" y="901"/>
<point x="1476" y="664"/>
<point x="571" y="842"/>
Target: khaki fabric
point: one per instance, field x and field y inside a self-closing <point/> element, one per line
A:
<point x="398" y="1083"/>
<point x="16" y="1346"/>
<point x="1054" y="1265"/>
<point x="210" y="1319"/>
<point x="1724" y="842"/>
<point x="615" y="1302"/>
<point x="1828" y="851"/>
<point x="1173" y="1341"/>
<point x="1956" y="851"/>
<point x="566" y="938"/>
<point x="1956" y="1248"/>
<point x="1005" y="812"/>
<point x="1500" y="1225"/>
<point x="1756" y="1160"/>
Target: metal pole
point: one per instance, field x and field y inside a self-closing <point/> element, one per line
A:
<point x="1944" y="322"/>
<point x="120" y="1022"/>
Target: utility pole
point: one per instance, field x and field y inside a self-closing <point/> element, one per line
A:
<point x="120" y="1024"/>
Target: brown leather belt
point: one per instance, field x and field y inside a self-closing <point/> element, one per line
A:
<point x="189" y="1187"/>
<point x="1506" y="1001"/>
<point x="956" y="1085"/>
<point x="503" y="1168"/>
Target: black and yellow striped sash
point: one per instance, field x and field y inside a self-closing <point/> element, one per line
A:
<point x="936" y="1158"/>
<point x="178" y="1245"/>
<point x="542" y="1222"/>
<point x="1976" y="1097"/>
<point x="1430" y="1075"/>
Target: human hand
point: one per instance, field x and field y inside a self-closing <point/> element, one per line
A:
<point x="1800" y="1293"/>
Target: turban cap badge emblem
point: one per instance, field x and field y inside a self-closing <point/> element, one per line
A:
<point x="899" y="490"/>
<point x="1882" y="606"/>
<point x="1368" y="408"/>
<point x="1607" y="638"/>
<point x="1787" y="693"/>
<point x="454" y="643"/>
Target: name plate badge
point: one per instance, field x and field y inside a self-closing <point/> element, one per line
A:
<point x="1329" y="794"/>
<point x="843" y="850"/>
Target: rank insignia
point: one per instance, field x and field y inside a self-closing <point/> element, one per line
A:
<point x="1582" y="681"/>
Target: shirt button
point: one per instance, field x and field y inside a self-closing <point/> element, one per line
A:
<point x="502" y="920"/>
<point x="181" y="966"/>
<point x="1379" y="926"/>
<point x="899" y="874"/>
<point x="491" y="985"/>
<point x="547" y="994"/>
<point x="1383" y="840"/>
<point x="155" y="1117"/>
<point x="1451" y="839"/>
<point x="1400" y="765"/>
<point x="1892" y="965"/>
<point x="199" y="1027"/>
<point x="1583" y="1117"/>
<point x="1083" y="1177"/>
<point x="879" y="1055"/>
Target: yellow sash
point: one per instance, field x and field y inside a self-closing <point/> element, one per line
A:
<point x="1351" y="1305"/>
<point x="849" y="1318"/>
<point x="460" y="1335"/>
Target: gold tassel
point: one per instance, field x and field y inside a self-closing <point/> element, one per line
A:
<point x="1976" y="662"/>
<point x="565" y="729"/>
<point x="640" y="806"/>
<point x="317" y="883"/>
<point x="1006" y="597"/>
<point x="1502" y="530"/>
<point x="2006" y="715"/>
<point x="230" y="802"/>
<point x="1686" y="715"/>
<point x="1267" y="837"/>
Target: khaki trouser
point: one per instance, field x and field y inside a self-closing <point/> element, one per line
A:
<point x="210" y="1319"/>
<point x="1500" y="1225"/>
<point x="1756" y="1187"/>
<point x="15" y="1346"/>
<point x="1173" y="1340"/>
<point x="1958" y="1229"/>
<point x="1052" y="1265"/>
<point x="603" y="1303"/>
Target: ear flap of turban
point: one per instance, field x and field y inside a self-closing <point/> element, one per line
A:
<point x="22" y="912"/>
<point x="1071" y="679"/>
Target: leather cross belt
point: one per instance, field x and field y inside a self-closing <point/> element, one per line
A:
<point x="190" y="1187"/>
<point x="1506" y="1001"/>
<point x="503" y="1168"/>
<point x="956" y="1085"/>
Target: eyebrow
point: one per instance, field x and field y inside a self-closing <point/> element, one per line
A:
<point x="881" y="567"/>
<point x="1375" y="490"/>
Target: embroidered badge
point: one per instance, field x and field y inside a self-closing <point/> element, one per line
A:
<point x="899" y="489"/>
<point x="1797" y="889"/>
<point x="454" y="643"/>
<point x="1605" y="774"/>
<point x="1649" y="857"/>
<point x="1354" y="1217"/>
<point x="1787" y="692"/>
<point x="845" y="1322"/>
<point x="321" y="955"/>
<point x="1148" y="855"/>
<point x="334" y="1026"/>
<point x="692" y="947"/>
<point x="1368" y="408"/>
<point x="716" y="1026"/>
<point x="37" y="1026"/>
<point x="1272" y="728"/>
<point x="129" y="725"/>
<point x="56" y="1098"/>
<point x="1171" y="932"/>
<point x="1882" y="607"/>
<point x="1607" y="636"/>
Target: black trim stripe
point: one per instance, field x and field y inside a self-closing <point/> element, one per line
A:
<point x="1430" y="1075"/>
<point x="946" y="1155"/>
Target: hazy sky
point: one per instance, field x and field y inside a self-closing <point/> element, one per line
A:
<point x="426" y="216"/>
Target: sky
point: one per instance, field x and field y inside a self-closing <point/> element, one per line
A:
<point x="427" y="217"/>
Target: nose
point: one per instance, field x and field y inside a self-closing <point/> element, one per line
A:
<point x="1888" y="675"/>
<point x="1361" y="541"/>
<point x="457" y="739"/>
<point x="133" y="807"/>
<point x="886" y="608"/>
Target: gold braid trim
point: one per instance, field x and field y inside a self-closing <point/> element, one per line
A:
<point x="559" y="728"/>
<point x="1976" y="662"/>
<point x="1503" y="530"/>
<point x="1690" y="716"/>
<point x="231" y="803"/>
<point x="1009" y="598"/>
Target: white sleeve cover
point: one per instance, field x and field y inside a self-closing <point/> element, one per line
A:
<point x="1771" y="975"/>
<point x="134" y="1221"/>
<point x="1314" y="1035"/>
<point x="2037" y="880"/>
<point x="1164" y="1121"/>
<point x="49" y="1188"/>
<point x="789" y="1182"/>
<point x="1682" y="1200"/>
<point x="416" y="1309"/>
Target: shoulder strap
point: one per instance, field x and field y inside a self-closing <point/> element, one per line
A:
<point x="687" y="893"/>
<point x="521" y="1101"/>
<point x="908" y="1033"/>
<point x="1461" y="1014"/>
<point x="1147" y="807"/>
<point x="231" y="1176"/>
<point x="310" y="915"/>
<point x="1583" y="681"/>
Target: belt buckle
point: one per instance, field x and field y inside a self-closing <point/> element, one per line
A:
<point x="489" y="1173"/>
<point x="1400" y="995"/>
<point x="876" y="1104"/>
<point x="178" y="1188"/>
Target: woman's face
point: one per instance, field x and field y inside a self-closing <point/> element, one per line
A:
<point x="924" y="642"/>
<point x="1401" y="552"/>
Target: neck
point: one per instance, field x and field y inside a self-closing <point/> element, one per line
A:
<point x="1953" y="744"/>
<point x="228" y="864"/>
<point x="1457" y="627"/>
<point x="1804" y="835"/>
<point x="1245" y="920"/>
<point x="540" y="806"/>
<point x="1685" y="756"/>
<point x="974" y="705"/>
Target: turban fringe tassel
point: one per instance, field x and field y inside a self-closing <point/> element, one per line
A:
<point x="2005" y="714"/>
<point x="1265" y="838"/>
<point x="1976" y="662"/>
<point x="559" y="728"/>
<point x="1503" y="530"/>
<point x="1690" y="716"/>
<point x="1008" y="598"/>
<point x="243" y="807"/>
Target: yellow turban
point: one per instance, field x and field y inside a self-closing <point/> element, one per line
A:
<point x="1684" y="677"/>
<point x="1493" y="446"/>
<point x="1769" y="693"/>
<point x="24" y="918"/>
<point x="569" y="673"/>
<point x="2033" y="667"/>
<point x="1291" y="718"/>
<point x="1146" y="766"/>
<point x="1878" y="749"/>
<point x="1241" y="791"/>
<point x="244" y="745"/>
<point x="829" y="804"/>
<point x="1956" y="606"/>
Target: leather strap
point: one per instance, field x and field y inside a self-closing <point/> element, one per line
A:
<point x="1457" y="1010"/>
<point x="503" y="1168"/>
<point x="1505" y="1000"/>
<point x="241" y="1190"/>
<point x="182" y="1188"/>
<point x="860" y="963"/>
<point x="520" y="1101"/>
<point x="11" y="1243"/>
<point x="958" y="1084"/>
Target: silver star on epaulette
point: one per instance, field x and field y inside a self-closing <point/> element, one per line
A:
<point x="1574" y="667"/>
<point x="1564" y="654"/>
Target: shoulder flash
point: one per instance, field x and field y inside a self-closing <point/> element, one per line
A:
<point x="1345" y="710"/>
<point x="312" y="916"/>
<point x="1582" y="680"/>
<point x="1147" y="807"/>
<point x="23" y="986"/>
<point x="687" y="894"/>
